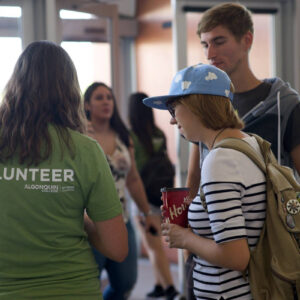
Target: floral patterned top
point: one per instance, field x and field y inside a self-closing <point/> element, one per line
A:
<point x="120" y="164"/>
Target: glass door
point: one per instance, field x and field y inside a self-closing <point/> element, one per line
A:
<point x="90" y="54"/>
<point x="90" y="34"/>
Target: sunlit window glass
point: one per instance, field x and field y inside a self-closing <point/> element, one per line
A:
<point x="10" y="11"/>
<point x="70" y="14"/>
<point x="91" y="60"/>
<point x="11" y="48"/>
<point x="10" y="42"/>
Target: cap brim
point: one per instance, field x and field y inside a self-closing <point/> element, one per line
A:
<point x="158" y="102"/>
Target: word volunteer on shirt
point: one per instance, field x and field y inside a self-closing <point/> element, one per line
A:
<point x="37" y="179"/>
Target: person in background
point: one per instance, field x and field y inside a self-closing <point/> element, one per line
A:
<point x="226" y="34"/>
<point x="51" y="173"/>
<point x="229" y="220"/>
<point x="108" y="129"/>
<point x="148" y="139"/>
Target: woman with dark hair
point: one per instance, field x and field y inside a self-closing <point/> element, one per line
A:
<point x="149" y="139"/>
<point x="108" y="129"/>
<point x="50" y="175"/>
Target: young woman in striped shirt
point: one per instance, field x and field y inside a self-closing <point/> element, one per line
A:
<point x="222" y="231"/>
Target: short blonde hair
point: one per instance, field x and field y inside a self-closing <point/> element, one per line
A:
<point x="215" y="112"/>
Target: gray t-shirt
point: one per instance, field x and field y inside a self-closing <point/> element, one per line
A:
<point x="244" y="102"/>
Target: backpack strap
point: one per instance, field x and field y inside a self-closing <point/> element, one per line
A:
<point x="242" y="146"/>
<point x="248" y="150"/>
<point x="268" y="164"/>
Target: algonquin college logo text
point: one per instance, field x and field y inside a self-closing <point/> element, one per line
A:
<point x="45" y="180"/>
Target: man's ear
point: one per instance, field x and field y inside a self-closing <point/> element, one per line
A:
<point x="248" y="40"/>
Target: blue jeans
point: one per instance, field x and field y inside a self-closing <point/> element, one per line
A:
<point x="122" y="276"/>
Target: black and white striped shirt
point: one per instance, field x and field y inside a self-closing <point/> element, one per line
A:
<point x="235" y="194"/>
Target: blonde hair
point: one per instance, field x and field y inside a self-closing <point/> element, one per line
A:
<point x="215" y="112"/>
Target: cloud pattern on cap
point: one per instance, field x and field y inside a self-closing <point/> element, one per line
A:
<point x="211" y="76"/>
<point x="196" y="79"/>
<point x="185" y="85"/>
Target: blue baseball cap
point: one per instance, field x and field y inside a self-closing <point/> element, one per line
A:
<point x="197" y="79"/>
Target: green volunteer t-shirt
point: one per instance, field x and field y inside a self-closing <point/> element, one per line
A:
<point x="44" y="252"/>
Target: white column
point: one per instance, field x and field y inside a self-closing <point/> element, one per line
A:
<point x="28" y="34"/>
<point x="40" y="21"/>
<point x="53" y="22"/>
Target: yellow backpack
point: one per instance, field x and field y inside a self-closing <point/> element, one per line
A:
<point x="274" y="267"/>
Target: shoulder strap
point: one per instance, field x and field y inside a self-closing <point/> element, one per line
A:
<point x="282" y="178"/>
<point x="244" y="147"/>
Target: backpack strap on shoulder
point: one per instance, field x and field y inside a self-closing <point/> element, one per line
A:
<point x="268" y="164"/>
<point x="248" y="150"/>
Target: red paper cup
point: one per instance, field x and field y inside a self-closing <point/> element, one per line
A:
<point x="175" y="210"/>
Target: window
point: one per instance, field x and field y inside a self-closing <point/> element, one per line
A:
<point x="91" y="60"/>
<point x="10" y="42"/>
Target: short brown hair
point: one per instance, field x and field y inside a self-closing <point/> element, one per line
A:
<point x="215" y="112"/>
<point x="235" y="17"/>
